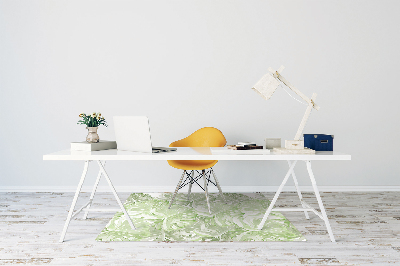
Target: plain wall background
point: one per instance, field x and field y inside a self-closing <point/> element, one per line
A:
<point x="190" y="64"/>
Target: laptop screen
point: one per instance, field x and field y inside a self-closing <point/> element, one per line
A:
<point x="132" y="133"/>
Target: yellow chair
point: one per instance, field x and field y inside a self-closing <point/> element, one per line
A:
<point x="204" y="137"/>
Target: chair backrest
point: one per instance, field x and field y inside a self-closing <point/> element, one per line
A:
<point x="204" y="137"/>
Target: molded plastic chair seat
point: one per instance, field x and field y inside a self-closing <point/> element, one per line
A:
<point x="192" y="165"/>
<point x="204" y="137"/>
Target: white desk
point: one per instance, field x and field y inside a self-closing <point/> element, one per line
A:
<point x="194" y="154"/>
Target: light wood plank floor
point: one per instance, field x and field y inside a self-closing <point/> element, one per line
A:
<point x="366" y="226"/>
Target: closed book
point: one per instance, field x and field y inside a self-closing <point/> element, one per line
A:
<point x="244" y="144"/>
<point x="227" y="151"/>
<point x="252" y="147"/>
<point x="98" y="146"/>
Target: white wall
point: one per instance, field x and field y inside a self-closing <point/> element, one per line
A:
<point x="190" y="64"/>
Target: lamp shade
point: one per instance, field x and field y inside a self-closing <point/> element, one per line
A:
<point x="266" y="86"/>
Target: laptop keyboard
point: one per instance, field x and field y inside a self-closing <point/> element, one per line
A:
<point x="162" y="149"/>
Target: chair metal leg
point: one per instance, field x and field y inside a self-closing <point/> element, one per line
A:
<point x="93" y="192"/>
<point x="218" y="186"/>
<point x="298" y="191"/>
<point x="177" y="188"/>
<point x="321" y="205"/>
<point x="206" y="189"/>
<point x="71" y="210"/>
<point x="190" y="184"/>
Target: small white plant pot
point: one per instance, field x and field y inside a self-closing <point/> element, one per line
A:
<point x="92" y="136"/>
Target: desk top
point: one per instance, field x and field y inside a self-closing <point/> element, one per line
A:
<point x="186" y="153"/>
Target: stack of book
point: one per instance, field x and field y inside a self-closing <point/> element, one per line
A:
<point x="245" y="146"/>
<point x="240" y="148"/>
<point x="98" y="146"/>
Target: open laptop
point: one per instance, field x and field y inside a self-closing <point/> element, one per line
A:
<point x="133" y="134"/>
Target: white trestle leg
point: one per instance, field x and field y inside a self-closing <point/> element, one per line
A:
<point x="260" y="226"/>
<point x="321" y="205"/>
<point x="93" y="192"/>
<point x="116" y="195"/>
<point x="298" y="191"/>
<point x="305" y="207"/>
<point x="86" y="207"/>
<point x="71" y="210"/>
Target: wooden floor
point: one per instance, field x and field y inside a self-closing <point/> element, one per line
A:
<point x="366" y="226"/>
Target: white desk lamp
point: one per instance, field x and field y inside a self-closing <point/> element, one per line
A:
<point x="266" y="86"/>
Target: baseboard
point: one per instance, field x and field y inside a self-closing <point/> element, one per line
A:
<point x="195" y="189"/>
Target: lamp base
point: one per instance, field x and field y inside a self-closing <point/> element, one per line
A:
<point x="294" y="144"/>
<point x="293" y="151"/>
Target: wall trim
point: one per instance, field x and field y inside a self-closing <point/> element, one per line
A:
<point x="195" y="189"/>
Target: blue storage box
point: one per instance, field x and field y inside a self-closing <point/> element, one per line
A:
<point x="318" y="142"/>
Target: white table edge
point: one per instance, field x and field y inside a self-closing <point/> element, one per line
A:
<point x="66" y="155"/>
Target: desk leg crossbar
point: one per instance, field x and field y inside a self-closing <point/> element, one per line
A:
<point x="306" y="207"/>
<point x="86" y="207"/>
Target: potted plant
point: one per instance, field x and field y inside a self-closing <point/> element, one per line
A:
<point x="92" y="123"/>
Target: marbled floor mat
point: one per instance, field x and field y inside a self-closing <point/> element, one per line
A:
<point x="234" y="217"/>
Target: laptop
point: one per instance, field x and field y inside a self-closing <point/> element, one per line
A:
<point x="133" y="134"/>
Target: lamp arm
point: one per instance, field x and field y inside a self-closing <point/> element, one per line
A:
<point x="305" y="117"/>
<point x="293" y="88"/>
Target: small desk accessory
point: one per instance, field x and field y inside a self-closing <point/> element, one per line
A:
<point x="97" y="146"/>
<point x="318" y="142"/>
<point x="271" y="143"/>
<point x="266" y="86"/>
